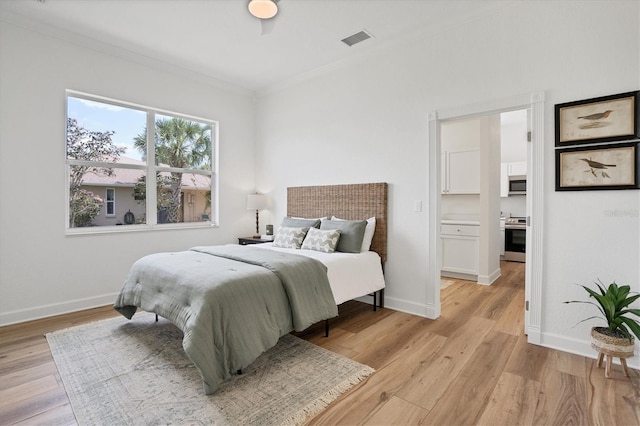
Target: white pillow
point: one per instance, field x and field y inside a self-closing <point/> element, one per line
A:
<point x="368" y="233"/>
<point x="289" y="237"/>
<point x="315" y="218"/>
<point x="325" y="241"/>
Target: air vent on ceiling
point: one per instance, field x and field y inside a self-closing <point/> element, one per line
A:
<point x="356" y="38"/>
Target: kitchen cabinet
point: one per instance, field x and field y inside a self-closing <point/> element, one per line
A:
<point x="460" y="172"/>
<point x="460" y="250"/>
<point x="518" y="168"/>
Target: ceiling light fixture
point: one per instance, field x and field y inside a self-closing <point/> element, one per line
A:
<point x="263" y="9"/>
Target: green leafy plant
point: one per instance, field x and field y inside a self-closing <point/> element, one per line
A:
<point x="88" y="146"/>
<point x="84" y="206"/>
<point x="613" y="303"/>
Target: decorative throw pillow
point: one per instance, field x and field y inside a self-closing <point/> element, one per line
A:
<point x="351" y="236"/>
<point x="301" y="222"/>
<point x="368" y="233"/>
<point x="289" y="237"/>
<point x="319" y="240"/>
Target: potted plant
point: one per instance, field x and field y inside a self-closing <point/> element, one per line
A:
<point x="616" y="339"/>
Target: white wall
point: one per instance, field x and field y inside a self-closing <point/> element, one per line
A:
<point x="42" y="271"/>
<point x="367" y="122"/>
<point x="513" y="136"/>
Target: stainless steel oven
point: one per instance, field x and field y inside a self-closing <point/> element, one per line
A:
<point x="515" y="238"/>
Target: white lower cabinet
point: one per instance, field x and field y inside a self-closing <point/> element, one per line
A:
<point x="460" y="251"/>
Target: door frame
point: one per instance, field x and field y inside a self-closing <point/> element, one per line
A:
<point x="535" y="103"/>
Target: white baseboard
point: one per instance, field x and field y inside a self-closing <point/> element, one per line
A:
<point x="44" y="311"/>
<point x="582" y="347"/>
<point x="410" y="307"/>
<point x="459" y="275"/>
<point x="433" y="311"/>
<point x="489" y="279"/>
<point x="400" y="305"/>
<point x="534" y="335"/>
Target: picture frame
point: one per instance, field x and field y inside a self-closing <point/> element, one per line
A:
<point x="602" y="167"/>
<point x="604" y="119"/>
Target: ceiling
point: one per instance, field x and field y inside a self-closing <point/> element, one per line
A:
<point x="220" y="39"/>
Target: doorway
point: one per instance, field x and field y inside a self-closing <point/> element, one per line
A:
<point x="534" y="203"/>
<point x="483" y="182"/>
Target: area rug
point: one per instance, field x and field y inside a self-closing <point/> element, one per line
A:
<point x="120" y="372"/>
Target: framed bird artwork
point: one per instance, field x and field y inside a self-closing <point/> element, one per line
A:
<point x="610" y="166"/>
<point x="605" y="119"/>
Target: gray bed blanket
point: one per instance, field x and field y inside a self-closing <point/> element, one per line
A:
<point x="231" y="302"/>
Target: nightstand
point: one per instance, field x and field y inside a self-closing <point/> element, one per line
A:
<point x="244" y="241"/>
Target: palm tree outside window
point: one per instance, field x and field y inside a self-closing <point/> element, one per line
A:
<point x="181" y="148"/>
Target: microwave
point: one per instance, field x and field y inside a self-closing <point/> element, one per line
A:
<point x="517" y="185"/>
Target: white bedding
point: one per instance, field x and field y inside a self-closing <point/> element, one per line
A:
<point x="351" y="275"/>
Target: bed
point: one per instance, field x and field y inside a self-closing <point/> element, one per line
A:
<point x="234" y="302"/>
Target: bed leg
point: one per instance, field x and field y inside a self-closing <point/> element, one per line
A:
<point x="326" y="328"/>
<point x="375" y="300"/>
<point x="239" y="372"/>
<point x="382" y="298"/>
<point x="156" y="317"/>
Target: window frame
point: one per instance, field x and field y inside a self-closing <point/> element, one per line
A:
<point x="150" y="169"/>
<point x="107" y="201"/>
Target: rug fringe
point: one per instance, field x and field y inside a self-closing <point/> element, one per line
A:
<point x="324" y="400"/>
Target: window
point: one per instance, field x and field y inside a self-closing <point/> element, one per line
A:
<point x="155" y="169"/>
<point x="110" y="202"/>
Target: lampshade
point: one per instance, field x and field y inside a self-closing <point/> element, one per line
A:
<point x="256" y="202"/>
<point x="263" y="9"/>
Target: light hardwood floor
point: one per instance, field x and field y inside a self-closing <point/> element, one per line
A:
<point x="471" y="366"/>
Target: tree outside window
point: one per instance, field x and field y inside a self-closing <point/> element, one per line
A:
<point x="87" y="146"/>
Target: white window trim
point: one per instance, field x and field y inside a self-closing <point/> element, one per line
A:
<point x="150" y="167"/>
<point x="106" y="202"/>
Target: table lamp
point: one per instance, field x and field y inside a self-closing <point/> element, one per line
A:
<point x="257" y="202"/>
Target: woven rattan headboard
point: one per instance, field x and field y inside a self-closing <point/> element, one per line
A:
<point x="352" y="202"/>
